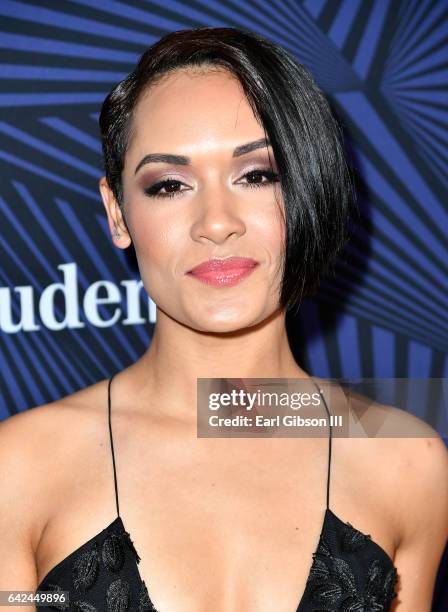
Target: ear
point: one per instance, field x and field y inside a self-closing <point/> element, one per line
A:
<point x="114" y="216"/>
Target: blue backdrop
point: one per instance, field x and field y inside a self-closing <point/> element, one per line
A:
<point x="72" y="308"/>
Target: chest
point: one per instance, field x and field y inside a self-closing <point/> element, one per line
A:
<point x="225" y="530"/>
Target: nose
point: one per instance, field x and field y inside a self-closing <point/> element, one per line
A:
<point x="218" y="216"/>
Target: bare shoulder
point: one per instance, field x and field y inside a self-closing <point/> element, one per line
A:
<point x="36" y="447"/>
<point x="405" y="444"/>
<point x="29" y="430"/>
<point x="409" y="452"/>
<point x="420" y="465"/>
<point x="419" y="457"/>
<point x="402" y="467"/>
<point x="399" y="457"/>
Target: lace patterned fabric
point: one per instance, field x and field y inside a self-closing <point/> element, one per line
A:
<point x="100" y="576"/>
<point x="349" y="573"/>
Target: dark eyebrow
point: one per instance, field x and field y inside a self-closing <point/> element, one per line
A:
<point x="251" y="146"/>
<point x="183" y="160"/>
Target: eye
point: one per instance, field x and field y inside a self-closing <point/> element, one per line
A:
<point x="254" y="177"/>
<point x="170" y="186"/>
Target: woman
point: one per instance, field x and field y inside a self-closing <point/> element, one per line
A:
<point x="218" y="145"/>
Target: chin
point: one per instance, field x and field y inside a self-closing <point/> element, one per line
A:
<point x="225" y="322"/>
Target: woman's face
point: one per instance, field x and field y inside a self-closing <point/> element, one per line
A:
<point x="208" y="209"/>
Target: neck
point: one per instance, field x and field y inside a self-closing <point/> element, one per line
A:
<point x="178" y="355"/>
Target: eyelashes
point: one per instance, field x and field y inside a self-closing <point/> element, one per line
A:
<point x="154" y="191"/>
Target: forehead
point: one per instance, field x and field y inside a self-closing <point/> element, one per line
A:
<point x="190" y="108"/>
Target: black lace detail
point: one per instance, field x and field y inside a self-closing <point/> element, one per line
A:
<point x="85" y="569"/>
<point x="89" y="578"/>
<point x="57" y="605"/>
<point x="83" y="606"/>
<point x="112" y="553"/>
<point x="144" y="602"/>
<point x="332" y="584"/>
<point x="352" y="539"/>
<point x="130" y="543"/>
<point x="118" y="595"/>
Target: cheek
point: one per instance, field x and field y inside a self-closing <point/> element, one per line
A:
<point x="156" y="235"/>
<point x="269" y="231"/>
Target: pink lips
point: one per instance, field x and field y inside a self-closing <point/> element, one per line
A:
<point x="223" y="272"/>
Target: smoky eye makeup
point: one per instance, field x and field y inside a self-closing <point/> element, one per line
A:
<point x="254" y="168"/>
<point x="259" y="160"/>
<point x="171" y="188"/>
<point x="159" y="174"/>
<point x="149" y="179"/>
<point x="255" y="171"/>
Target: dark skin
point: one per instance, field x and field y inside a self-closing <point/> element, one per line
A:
<point x="220" y="524"/>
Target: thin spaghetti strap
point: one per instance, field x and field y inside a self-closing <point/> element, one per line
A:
<point x="329" y="443"/>
<point x="112" y="446"/>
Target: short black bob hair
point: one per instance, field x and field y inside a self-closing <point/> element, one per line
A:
<point x="316" y="182"/>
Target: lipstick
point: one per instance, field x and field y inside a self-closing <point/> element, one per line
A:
<point x="223" y="272"/>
